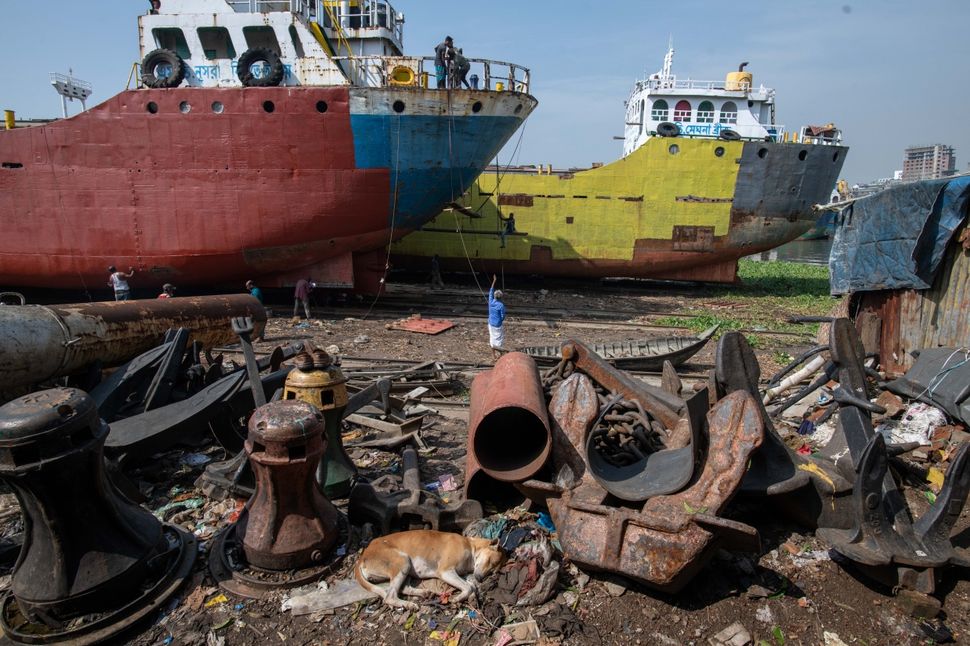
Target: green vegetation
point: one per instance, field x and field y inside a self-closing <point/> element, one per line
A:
<point x="768" y="295"/>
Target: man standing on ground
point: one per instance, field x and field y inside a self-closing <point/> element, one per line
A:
<point x="254" y="291"/>
<point x="496" y="319"/>
<point x="442" y="56"/>
<point x="119" y="282"/>
<point x="302" y="295"/>
<point x="257" y="293"/>
<point x="436" y="282"/>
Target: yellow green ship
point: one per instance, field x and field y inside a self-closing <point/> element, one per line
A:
<point x="707" y="177"/>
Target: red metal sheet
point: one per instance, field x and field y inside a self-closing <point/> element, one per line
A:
<point x="422" y="326"/>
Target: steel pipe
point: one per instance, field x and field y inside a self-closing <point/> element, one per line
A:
<point x="41" y="342"/>
<point x="508" y="434"/>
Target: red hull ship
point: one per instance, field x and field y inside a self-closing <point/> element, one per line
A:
<point x="212" y="183"/>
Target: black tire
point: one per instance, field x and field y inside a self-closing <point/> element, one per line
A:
<point x="729" y="135"/>
<point x="255" y="55"/>
<point x="162" y="57"/>
<point x="668" y="129"/>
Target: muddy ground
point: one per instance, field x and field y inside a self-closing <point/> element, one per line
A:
<point x="792" y="592"/>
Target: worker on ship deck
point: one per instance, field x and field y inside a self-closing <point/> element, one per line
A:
<point x="168" y="291"/>
<point x="460" y="68"/>
<point x="444" y="53"/>
<point x="156" y="6"/>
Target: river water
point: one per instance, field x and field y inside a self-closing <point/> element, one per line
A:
<point x="813" y="252"/>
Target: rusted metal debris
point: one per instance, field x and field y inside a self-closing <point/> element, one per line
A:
<point x="508" y="430"/>
<point x="288" y="525"/>
<point x="58" y="340"/>
<point x="421" y="325"/>
<point x="847" y="491"/>
<point x="411" y="507"/>
<point x="167" y="396"/>
<point x="669" y="525"/>
<point x="92" y="563"/>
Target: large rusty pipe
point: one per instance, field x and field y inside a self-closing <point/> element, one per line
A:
<point x="40" y="342"/>
<point x="508" y="432"/>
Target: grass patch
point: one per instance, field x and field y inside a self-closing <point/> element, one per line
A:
<point x="701" y="322"/>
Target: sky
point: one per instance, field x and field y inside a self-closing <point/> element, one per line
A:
<point x="890" y="73"/>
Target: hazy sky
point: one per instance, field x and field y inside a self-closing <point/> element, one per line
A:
<point x="890" y="73"/>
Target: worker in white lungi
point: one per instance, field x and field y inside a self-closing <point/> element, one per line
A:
<point x="496" y="318"/>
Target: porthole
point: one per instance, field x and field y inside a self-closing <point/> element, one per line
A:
<point x="477" y="107"/>
<point x="762" y="152"/>
<point x="802" y="155"/>
<point x="152" y="107"/>
<point x="185" y="107"/>
<point x="399" y="106"/>
<point x="835" y="157"/>
<point x="217" y="107"/>
<point x="719" y="151"/>
<point x="322" y="106"/>
<point x="673" y="149"/>
<point x="269" y="106"/>
<point x="518" y="108"/>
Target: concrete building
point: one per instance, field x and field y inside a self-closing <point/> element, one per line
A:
<point x="928" y="162"/>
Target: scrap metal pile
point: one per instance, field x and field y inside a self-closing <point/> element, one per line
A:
<point x="638" y="480"/>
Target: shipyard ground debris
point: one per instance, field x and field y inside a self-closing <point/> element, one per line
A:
<point x="405" y="430"/>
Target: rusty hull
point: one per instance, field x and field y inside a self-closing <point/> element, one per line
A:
<point x="666" y="541"/>
<point x="43" y="342"/>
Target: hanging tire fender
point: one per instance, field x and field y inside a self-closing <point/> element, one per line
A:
<point x="255" y="55"/>
<point x="158" y="57"/>
<point x="729" y="135"/>
<point x="668" y="129"/>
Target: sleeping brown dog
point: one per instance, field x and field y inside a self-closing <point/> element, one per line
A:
<point x="425" y="554"/>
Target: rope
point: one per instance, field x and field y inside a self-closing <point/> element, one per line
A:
<point x="390" y="239"/>
<point x="933" y="384"/>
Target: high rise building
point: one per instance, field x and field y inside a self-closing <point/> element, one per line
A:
<point x="928" y="162"/>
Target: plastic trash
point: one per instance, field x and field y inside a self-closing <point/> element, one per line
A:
<point x="342" y="593"/>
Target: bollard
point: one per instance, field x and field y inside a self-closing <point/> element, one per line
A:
<point x="87" y="550"/>
<point x="288" y="524"/>
<point x="317" y="382"/>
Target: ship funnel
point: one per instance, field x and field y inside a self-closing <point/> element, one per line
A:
<point x="739" y="81"/>
<point x="9" y="119"/>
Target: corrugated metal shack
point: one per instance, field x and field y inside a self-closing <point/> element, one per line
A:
<point x="896" y="322"/>
<point x="903" y="257"/>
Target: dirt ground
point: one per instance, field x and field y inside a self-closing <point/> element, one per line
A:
<point x="792" y="592"/>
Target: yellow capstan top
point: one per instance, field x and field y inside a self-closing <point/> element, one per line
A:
<point x="326" y="389"/>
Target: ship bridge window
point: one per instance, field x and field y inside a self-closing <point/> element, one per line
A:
<point x="262" y="36"/>
<point x="660" y="111"/>
<point x="682" y="111"/>
<point x="216" y="43"/>
<point x="705" y="112"/>
<point x="297" y="43"/>
<point x="172" y="38"/>
<point x="729" y="112"/>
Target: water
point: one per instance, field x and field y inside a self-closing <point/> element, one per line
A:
<point x="813" y="252"/>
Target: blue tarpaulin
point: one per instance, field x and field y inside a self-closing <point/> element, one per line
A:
<point x="896" y="239"/>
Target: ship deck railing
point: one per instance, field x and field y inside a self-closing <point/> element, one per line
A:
<point x="691" y="84"/>
<point x="379" y="71"/>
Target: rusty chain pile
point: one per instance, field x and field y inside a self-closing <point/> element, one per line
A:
<point x="624" y="432"/>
